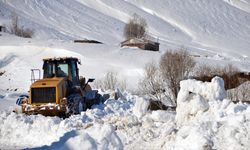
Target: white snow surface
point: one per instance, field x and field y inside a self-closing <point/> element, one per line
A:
<point x="211" y="123"/>
<point x="199" y="123"/>
<point x="215" y="32"/>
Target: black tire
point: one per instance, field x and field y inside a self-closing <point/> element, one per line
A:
<point x="100" y="99"/>
<point x="21" y="98"/>
<point x="76" y="104"/>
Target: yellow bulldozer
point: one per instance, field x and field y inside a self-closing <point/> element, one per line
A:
<point x="61" y="92"/>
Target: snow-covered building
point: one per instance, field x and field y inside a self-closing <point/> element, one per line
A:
<point x="141" y="43"/>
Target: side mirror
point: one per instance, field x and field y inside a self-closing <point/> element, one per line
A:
<point x="91" y="80"/>
<point x="79" y="61"/>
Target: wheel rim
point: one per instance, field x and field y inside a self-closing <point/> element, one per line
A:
<point x="80" y="107"/>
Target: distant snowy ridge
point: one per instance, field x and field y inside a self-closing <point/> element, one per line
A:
<point x="215" y="31"/>
<point x="217" y="25"/>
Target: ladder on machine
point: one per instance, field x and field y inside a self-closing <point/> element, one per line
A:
<point x="33" y="75"/>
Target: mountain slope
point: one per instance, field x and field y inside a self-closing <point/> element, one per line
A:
<point x="215" y="30"/>
<point x="216" y="25"/>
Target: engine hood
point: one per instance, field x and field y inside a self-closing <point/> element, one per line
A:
<point x="48" y="82"/>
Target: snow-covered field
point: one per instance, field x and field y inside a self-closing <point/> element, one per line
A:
<point x="217" y="31"/>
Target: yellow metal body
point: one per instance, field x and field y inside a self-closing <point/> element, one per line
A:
<point x="50" y="109"/>
<point x="57" y="82"/>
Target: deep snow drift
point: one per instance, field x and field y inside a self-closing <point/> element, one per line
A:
<point x="204" y="119"/>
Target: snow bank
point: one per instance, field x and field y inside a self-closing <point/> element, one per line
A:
<point x="194" y="96"/>
<point x="37" y="131"/>
<point x="93" y="129"/>
<point x="94" y="137"/>
<point x="241" y="93"/>
<point x="82" y="141"/>
<point x="106" y="137"/>
<point x="26" y="131"/>
<point x="213" y="90"/>
<point x="190" y="109"/>
<point x="162" y="116"/>
<point x="140" y="108"/>
<point x="204" y="118"/>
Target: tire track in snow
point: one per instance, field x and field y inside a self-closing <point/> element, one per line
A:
<point x="7" y="60"/>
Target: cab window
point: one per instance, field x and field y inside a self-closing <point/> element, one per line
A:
<point x="74" y="72"/>
<point x="62" y="70"/>
<point x="49" y="70"/>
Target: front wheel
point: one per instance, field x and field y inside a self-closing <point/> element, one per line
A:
<point x="76" y="104"/>
<point x="21" y="99"/>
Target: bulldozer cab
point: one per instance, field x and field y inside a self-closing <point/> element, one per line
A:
<point x="62" y="67"/>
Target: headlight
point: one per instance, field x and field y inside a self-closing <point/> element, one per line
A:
<point x="63" y="101"/>
<point x="24" y="101"/>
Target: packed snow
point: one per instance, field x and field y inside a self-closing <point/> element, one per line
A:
<point x="215" y="32"/>
<point x="206" y="122"/>
<point x="203" y="120"/>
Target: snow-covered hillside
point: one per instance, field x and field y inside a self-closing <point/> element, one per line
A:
<point x="215" y="32"/>
<point x="215" y="25"/>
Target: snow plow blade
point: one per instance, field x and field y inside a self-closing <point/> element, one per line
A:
<point x="46" y="110"/>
